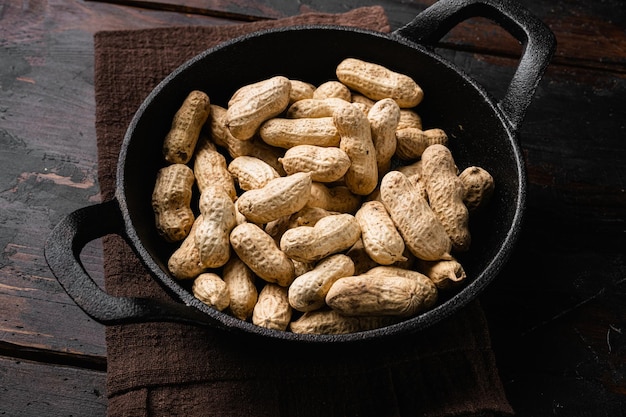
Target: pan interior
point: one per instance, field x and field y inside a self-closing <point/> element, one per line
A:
<point x="478" y="135"/>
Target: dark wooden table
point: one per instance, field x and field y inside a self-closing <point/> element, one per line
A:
<point x="557" y="312"/>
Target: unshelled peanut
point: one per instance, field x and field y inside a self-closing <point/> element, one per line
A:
<point x="171" y="201"/>
<point x="287" y="133"/>
<point x="328" y="321"/>
<point x="325" y="164"/>
<point x="213" y="233"/>
<point x="478" y="185"/>
<point x="272" y="309"/>
<point x="446" y="274"/>
<point x="211" y="289"/>
<point x="180" y="141"/>
<point x="384" y="116"/>
<point x="260" y="253"/>
<point x="411" y="142"/>
<point x="382" y="241"/>
<point x="378" y="82"/>
<point x="422" y="231"/>
<point x="337" y="198"/>
<point x="331" y="234"/>
<point x="251" y="173"/>
<point x="331" y="89"/>
<point x="308" y="291"/>
<point x="445" y="194"/>
<point x="210" y="168"/>
<point x="356" y="141"/>
<point x="255" y="103"/>
<point x="185" y="263"/>
<point x="280" y="197"/>
<point x="314" y="107"/>
<point x="243" y="293"/>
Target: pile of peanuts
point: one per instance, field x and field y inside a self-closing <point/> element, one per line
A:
<point x="321" y="209"/>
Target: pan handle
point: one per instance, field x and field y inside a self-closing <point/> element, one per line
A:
<point x="537" y="40"/>
<point x="62" y="253"/>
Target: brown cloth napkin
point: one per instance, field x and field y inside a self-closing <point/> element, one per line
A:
<point x="173" y="369"/>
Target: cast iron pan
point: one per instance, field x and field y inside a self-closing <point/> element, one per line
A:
<point x="483" y="132"/>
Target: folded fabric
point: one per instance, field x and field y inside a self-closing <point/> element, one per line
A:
<point x="173" y="369"/>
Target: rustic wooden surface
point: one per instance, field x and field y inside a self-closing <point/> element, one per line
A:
<point x="557" y="312"/>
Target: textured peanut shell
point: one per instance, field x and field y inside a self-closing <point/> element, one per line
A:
<point x="300" y="90"/>
<point x="445" y="194"/>
<point x="308" y="291"/>
<point x="445" y="274"/>
<point x="308" y="216"/>
<point x="478" y="185"/>
<point x="255" y="103"/>
<point x="287" y="133"/>
<point x="381" y="240"/>
<point x="184" y="263"/>
<point x="331" y="234"/>
<point x="240" y="281"/>
<point x="384" y="116"/>
<point x="412" y="142"/>
<point x="209" y="288"/>
<point x="260" y="253"/>
<point x="327" y="321"/>
<point x="251" y="173"/>
<point x="337" y="198"/>
<point x="376" y="295"/>
<point x="429" y="292"/>
<point x="210" y="168"/>
<point x="361" y="259"/>
<point x="332" y="89"/>
<point x="378" y="82"/>
<point x="280" y="197"/>
<point x="325" y="164"/>
<point x="314" y="107"/>
<point x="171" y="202"/>
<point x="181" y="139"/>
<point x="272" y="309"/>
<point x="212" y="234"/>
<point x="409" y="118"/>
<point x="356" y="141"/>
<point x="421" y="230"/>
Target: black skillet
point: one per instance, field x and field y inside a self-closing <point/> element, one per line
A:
<point x="483" y="132"/>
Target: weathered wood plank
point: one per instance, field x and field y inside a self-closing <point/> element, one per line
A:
<point x="30" y="389"/>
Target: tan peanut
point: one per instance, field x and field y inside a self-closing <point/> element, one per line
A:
<point x="314" y="107"/>
<point x="332" y="88"/>
<point x="356" y="141"/>
<point x="382" y="241"/>
<point x="182" y="137"/>
<point x="300" y="90"/>
<point x="378" y="82"/>
<point x="327" y="321"/>
<point x="414" y="173"/>
<point x="411" y="142"/>
<point x="446" y="274"/>
<point x="384" y="116"/>
<point x="478" y="185"/>
<point x="243" y="293"/>
<point x="445" y="194"/>
<point x="409" y="118"/>
<point x="429" y="293"/>
<point x="171" y="201"/>
<point x="378" y="295"/>
<point x="210" y="168"/>
<point x="331" y="234"/>
<point x="325" y="164"/>
<point x="209" y="288"/>
<point x="280" y="197"/>
<point x="287" y="133"/>
<point x="213" y="234"/>
<point x="255" y="103"/>
<point x="261" y="254"/>
<point x="360" y="99"/>
<point x="251" y="173"/>
<point x="337" y="198"/>
<point x="308" y="291"/>
<point x="422" y="231"/>
<point x="184" y="263"/>
<point x="272" y="309"/>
